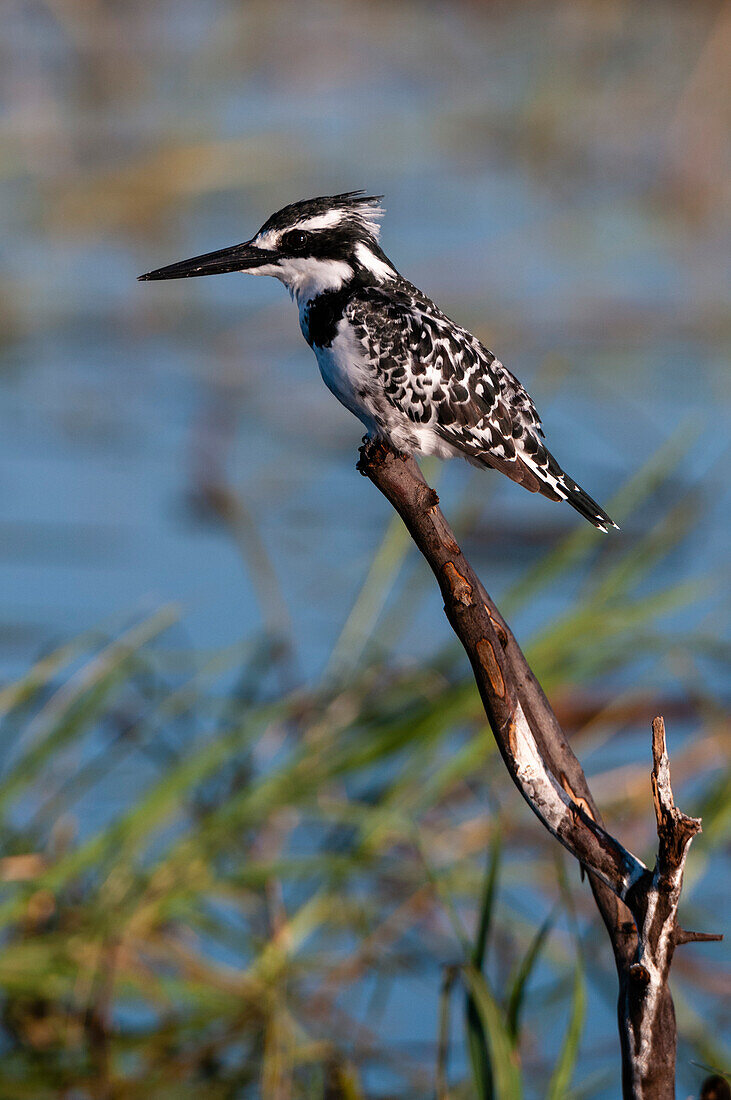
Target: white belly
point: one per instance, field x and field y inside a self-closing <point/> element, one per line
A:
<point x="346" y="373"/>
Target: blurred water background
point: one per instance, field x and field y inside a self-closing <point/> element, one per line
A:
<point x="555" y="176"/>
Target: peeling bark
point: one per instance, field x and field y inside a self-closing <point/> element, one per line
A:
<point x="638" y="906"/>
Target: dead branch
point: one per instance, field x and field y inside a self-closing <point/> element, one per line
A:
<point x="638" y="906"/>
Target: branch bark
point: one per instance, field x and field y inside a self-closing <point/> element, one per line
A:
<point x="638" y="906"/>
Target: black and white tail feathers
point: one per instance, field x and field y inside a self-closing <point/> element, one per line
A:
<point x="585" y="506"/>
<point x="539" y="472"/>
<point x="568" y="490"/>
<point x="551" y="481"/>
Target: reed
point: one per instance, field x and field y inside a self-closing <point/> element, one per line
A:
<point x="212" y="891"/>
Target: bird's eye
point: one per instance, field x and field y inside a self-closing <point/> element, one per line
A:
<point x="296" y="240"/>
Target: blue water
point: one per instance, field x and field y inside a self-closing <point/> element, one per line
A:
<point x="536" y="186"/>
<point x="606" y="303"/>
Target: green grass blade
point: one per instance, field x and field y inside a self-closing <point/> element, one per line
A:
<point x="478" y="1051"/>
<point x="476" y="1037"/>
<point x="503" y="1059"/>
<point x="21" y="691"/>
<point x="488" y="900"/>
<point x="560" y="1082"/>
<point x="382" y="575"/>
<point x="519" y="985"/>
<point x="361" y="621"/>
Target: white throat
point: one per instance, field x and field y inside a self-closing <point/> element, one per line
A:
<point x="307" y="277"/>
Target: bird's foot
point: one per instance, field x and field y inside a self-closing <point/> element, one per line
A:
<point x="373" y="452"/>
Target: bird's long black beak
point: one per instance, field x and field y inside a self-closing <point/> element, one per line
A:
<point x="239" y="257"/>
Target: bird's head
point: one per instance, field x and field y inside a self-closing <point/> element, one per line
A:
<point x="311" y="246"/>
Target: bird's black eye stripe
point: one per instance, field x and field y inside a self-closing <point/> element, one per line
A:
<point x="296" y="240"/>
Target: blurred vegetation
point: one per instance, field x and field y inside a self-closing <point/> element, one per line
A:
<point x="224" y="877"/>
<point x="299" y="868"/>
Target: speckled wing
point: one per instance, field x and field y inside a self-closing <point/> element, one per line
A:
<point x="519" y="400"/>
<point x="440" y="377"/>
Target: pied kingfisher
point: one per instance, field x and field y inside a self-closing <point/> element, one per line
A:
<point x="388" y="353"/>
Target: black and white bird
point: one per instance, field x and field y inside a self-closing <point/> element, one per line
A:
<point x="388" y="353"/>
